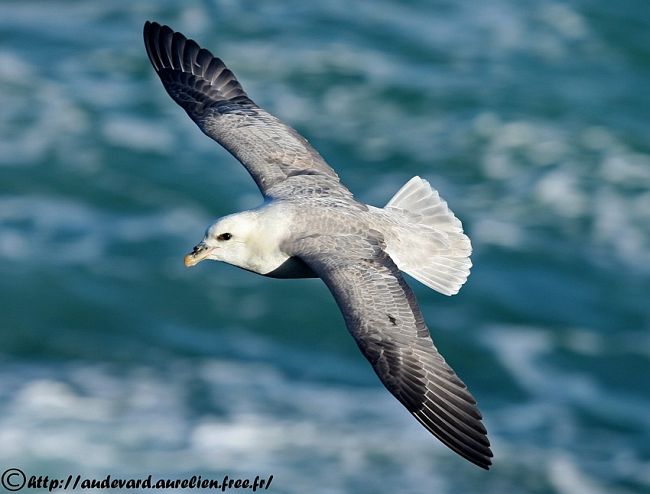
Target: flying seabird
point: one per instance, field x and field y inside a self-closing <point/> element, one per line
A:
<point x="310" y="225"/>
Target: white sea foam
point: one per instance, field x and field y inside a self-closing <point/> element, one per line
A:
<point x="567" y="478"/>
<point x="53" y="231"/>
<point x="101" y="420"/>
<point x="252" y="417"/>
<point x="139" y="134"/>
<point x="565" y="195"/>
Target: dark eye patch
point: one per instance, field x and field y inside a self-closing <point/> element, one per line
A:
<point x="224" y="236"/>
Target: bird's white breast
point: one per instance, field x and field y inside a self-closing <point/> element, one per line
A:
<point x="266" y="237"/>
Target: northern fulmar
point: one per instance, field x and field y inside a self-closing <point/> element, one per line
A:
<point x="310" y="225"/>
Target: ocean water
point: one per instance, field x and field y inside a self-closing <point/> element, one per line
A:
<point x="532" y="118"/>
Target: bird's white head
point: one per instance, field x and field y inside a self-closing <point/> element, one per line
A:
<point x="241" y="239"/>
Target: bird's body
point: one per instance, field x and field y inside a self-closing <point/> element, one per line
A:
<point x="310" y="225"/>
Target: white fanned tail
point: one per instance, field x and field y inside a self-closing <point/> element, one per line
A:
<point x="432" y="246"/>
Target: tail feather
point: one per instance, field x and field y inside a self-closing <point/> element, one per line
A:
<point x="431" y="245"/>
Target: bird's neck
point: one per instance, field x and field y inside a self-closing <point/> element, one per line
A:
<point x="265" y="241"/>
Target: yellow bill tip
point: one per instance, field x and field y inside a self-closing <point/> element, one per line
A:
<point x="189" y="260"/>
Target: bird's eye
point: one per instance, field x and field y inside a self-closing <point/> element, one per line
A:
<point x="224" y="236"/>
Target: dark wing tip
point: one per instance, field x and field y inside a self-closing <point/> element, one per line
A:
<point x="163" y="45"/>
<point x="459" y="431"/>
<point x="181" y="61"/>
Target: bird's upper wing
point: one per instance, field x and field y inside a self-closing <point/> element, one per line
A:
<point x="382" y="314"/>
<point x="213" y="98"/>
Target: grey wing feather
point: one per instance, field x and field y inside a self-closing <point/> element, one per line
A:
<point x="213" y="98"/>
<point x="382" y="314"/>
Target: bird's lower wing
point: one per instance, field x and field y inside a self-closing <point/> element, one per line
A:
<point x="382" y="314"/>
<point x="213" y="98"/>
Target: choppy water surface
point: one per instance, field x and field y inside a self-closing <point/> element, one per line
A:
<point x="531" y="118"/>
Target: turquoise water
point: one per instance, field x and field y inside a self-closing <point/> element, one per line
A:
<point x="531" y="118"/>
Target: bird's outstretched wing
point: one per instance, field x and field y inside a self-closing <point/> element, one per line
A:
<point x="382" y="314"/>
<point x="213" y="98"/>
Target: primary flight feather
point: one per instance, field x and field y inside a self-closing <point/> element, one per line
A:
<point x="310" y="225"/>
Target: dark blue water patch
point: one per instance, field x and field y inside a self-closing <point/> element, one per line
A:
<point x="620" y="26"/>
<point x="565" y="291"/>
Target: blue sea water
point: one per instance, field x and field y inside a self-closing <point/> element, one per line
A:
<point x="532" y="119"/>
